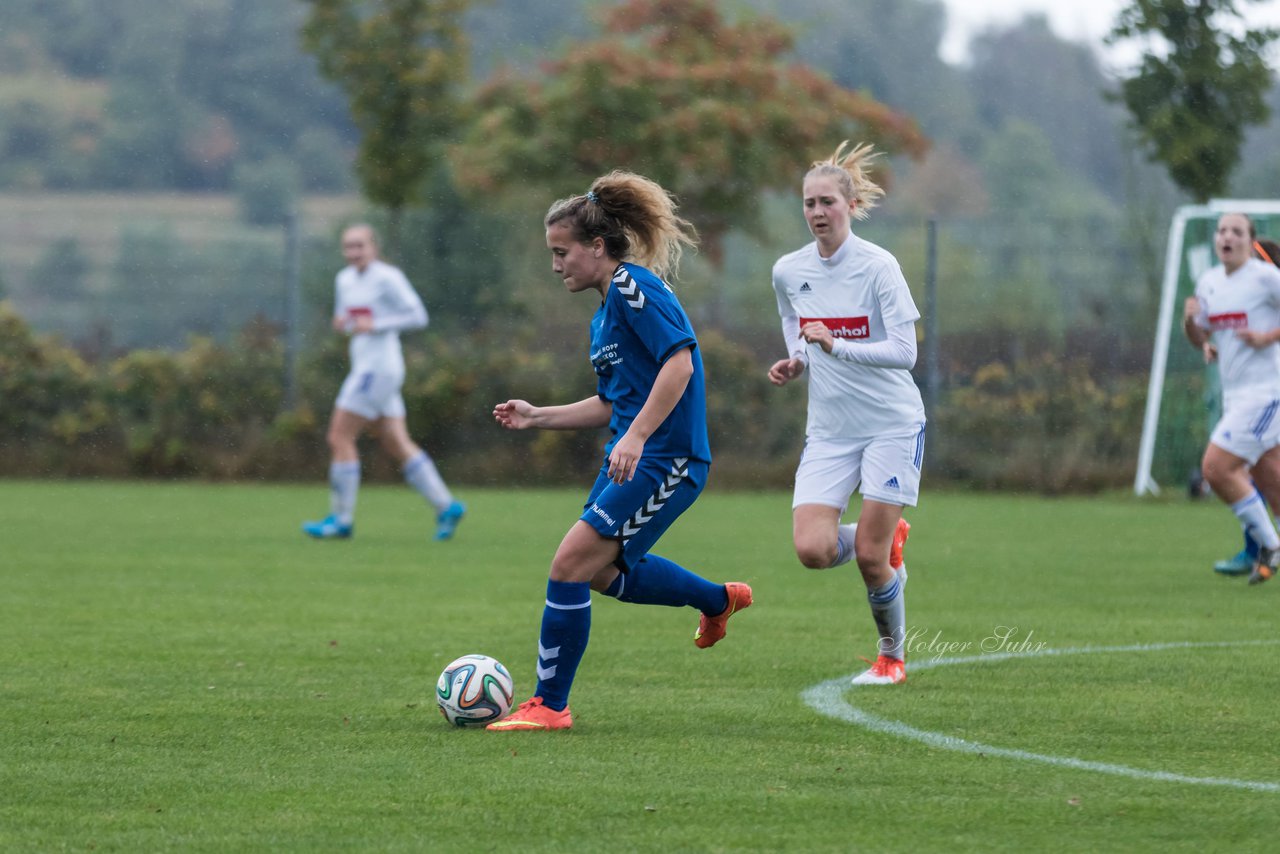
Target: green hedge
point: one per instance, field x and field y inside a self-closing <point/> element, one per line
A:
<point x="218" y="412"/>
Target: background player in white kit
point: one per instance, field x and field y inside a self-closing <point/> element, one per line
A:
<point x="1267" y="479"/>
<point x="374" y="303"/>
<point x="1236" y="311"/>
<point x="848" y="315"/>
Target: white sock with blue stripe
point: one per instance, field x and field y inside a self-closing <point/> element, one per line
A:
<point x="844" y="543"/>
<point x="1254" y="515"/>
<point x="420" y="472"/>
<point x="344" y="485"/>
<point x="889" y="610"/>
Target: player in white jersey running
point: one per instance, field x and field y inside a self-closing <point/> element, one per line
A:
<point x="848" y="316"/>
<point x="374" y="303"/>
<point x="1234" y="317"/>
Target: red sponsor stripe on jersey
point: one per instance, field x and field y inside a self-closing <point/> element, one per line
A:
<point x="842" y="327"/>
<point x="1229" y="320"/>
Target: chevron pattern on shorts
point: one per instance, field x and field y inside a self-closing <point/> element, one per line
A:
<point x="679" y="471"/>
<point x="629" y="288"/>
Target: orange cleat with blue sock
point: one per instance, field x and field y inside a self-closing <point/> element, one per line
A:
<point x="711" y="629"/>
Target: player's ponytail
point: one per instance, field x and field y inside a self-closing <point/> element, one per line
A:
<point x="635" y="217"/>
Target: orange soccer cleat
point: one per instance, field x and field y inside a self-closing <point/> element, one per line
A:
<point x="711" y="629"/>
<point x="885" y="671"/>
<point x="900" y="535"/>
<point x="532" y="715"/>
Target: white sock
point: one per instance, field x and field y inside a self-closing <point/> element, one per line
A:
<point x="420" y="473"/>
<point x="1253" y="513"/>
<point x="889" y="610"/>
<point x="844" y="543"/>
<point x="344" y="484"/>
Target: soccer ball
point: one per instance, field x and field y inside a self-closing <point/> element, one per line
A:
<point x="474" y="690"/>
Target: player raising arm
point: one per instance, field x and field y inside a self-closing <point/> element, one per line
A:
<point x="848" y="317"/>
<point x="616" y="241"/>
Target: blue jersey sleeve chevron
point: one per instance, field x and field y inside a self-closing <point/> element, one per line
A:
<point x="654" y="313"/>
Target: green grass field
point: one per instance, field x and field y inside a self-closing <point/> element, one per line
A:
<point x="181" y="670"/>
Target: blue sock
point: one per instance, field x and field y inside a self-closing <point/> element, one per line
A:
<point x="658" y="581"/>
<point x="566" y="625"/>
<point x="1250" y="545"/>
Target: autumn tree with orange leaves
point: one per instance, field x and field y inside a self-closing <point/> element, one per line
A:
<point x="712" y="110"/>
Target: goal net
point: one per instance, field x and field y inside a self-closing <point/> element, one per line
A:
<point x="1183" y="394"/>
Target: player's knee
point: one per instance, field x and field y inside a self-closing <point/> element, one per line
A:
<point x="814" y="555"/>
<point x="570" y="565"/>
<point x="869" y="562"/>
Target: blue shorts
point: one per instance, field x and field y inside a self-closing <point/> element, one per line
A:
<point x="638" y="512"/>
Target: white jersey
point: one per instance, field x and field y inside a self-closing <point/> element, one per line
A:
<point x="1249" y="298"/>
<point x="858" y="293"/>
<point x="382" y="292"/>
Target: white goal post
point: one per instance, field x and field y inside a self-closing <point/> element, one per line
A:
<point x="1183" y="262"/>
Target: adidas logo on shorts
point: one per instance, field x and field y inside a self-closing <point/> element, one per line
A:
<point x="892" y="483"/>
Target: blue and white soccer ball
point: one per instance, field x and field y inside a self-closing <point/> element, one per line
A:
<point x="474" y="690"/>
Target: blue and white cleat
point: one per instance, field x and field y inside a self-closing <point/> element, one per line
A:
<point x="447" y="521"/>
<point x="1241" y="564"/>
<point x="328" y="528"/>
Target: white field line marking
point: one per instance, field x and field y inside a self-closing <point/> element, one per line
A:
<point x="828" y="699"/>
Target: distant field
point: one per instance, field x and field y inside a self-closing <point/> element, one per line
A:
<point x="29" y="222"/>
<point x="180" y="669"/>
<point x="202" y="269"/>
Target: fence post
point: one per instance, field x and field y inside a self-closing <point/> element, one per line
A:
<point x="931" y="343"/>
<point x="293" y="309"/>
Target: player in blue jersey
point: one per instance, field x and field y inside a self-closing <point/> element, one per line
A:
<point x="617" y="240"/>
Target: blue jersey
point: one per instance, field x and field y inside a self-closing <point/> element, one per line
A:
<point x="638" y="327"/>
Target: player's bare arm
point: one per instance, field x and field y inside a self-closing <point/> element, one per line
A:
<point x="521" y="415"/>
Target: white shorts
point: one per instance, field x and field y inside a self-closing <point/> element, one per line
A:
<point x="1248" y="429"/>
<point x="885" y="470"/>
<point x="372" y="396"/>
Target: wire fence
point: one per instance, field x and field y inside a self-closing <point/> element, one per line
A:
<point x="113" y="273"/>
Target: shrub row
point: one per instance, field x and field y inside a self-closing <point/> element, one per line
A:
<point x="219" y="412"/>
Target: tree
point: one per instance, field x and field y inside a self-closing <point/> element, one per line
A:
<point x="399" y="62"/>
<point x="888" y="49"/>
<point x="706" y="108"/>
<point x="1192" y="100"/>
<point x="1026" y="73"/>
